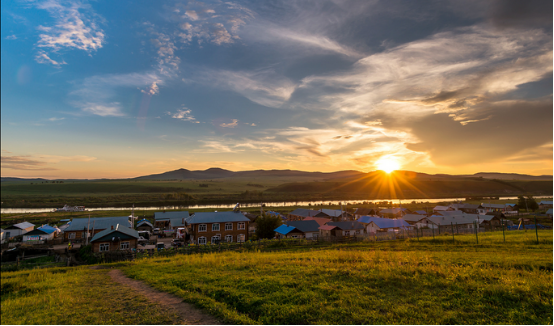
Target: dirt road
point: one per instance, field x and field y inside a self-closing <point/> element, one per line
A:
<point x="190" y="315"/>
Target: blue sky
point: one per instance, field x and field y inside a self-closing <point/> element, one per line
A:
<point x="127" y="88"/>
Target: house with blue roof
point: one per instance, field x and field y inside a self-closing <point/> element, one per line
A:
<point x="545" y="204"/>
<point x="387" y="225"/>
<point x="299" y="230"/>
<point x="169" y="222"/>
<point x="77" y="229"/>
<point x="301" y="213"/>
<point x="45" y="232"/>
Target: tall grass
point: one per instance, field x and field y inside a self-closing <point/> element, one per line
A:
<point x="402" y="282"/>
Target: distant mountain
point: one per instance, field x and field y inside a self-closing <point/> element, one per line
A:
<point x="511" y="176"/>
<point x="216" y="173"/>
<point x="11" y="179"/>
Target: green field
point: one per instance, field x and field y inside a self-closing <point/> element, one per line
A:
<point x="391" y="282"/>
<point x="123" y="193"/>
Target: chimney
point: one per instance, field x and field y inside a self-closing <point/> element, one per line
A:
<point x="112" y="227"/>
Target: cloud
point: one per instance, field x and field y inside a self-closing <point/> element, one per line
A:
<point x="112" y="110"/>
<point x="11" y="37"/>
<point x="232" y="124"/>
<point x="56" y="119"/>
<point x="191" y="14"/>
<point x="526" y="14"/>
<point x="152" y="90"/>
<point x="76" y="26"/>
<point x="183" y="114"/>
<point x="42" y="57"/>
<point x="23" y="163"/>
<point x="264" y="87"/>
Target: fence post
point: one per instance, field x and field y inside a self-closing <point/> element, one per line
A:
<point x="503" y="232"/>
<point x="457" y="230"/>
<point x="475" y="228"/>
<point x="536" y="229"/>
<point x="439" y="229"/>
<point x="452" y="225"/>
<point x="433" y="229"/>
<point x="417" y="233"/>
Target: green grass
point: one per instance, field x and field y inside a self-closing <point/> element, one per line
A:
<point x="399" y="282"/>
<point x="74" y="296"/>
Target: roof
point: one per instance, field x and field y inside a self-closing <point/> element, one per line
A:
<point x="327" y="227"/>
<point x="250" y="216"/>
<point x="385" y="223"/>
<point x="549" y="212"/>
<point x="394" y="210"/>
<point x="305" y="226"/>
<point x="307" y="212"/>
<point x="48" y="229"/>
<point x="319" y="220"/>
<point x="367" y="219"/>
<point x="284" y="229"/>
<point x="144" y="221"/>
<point x="365" y="211"/>
<point x="353" y="225"/>
<point x="273" y="213"/>
<point x="98" y="223"/>
<point x="492" y="205"/>
<point x="546" y="202"/>
<point x="421" y="212"/>
<point x="36" y="231"/>
<point x="335" y="212"/>
<point x="468" y="206"/>
<point x="170" y="215"/>
<point x="413" y="217"/>
<point x="22" y="225"/>
<point x="441" y="208"/>
<point x="455" y="219"/>
<point x="217" y="217"/>
<point x="118" y="228"/>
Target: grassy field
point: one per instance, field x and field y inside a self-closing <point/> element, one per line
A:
<point x="105" y="193"/>
<point x="74" y="296"/>
<point x="400" y="282"/>
<point x="390" y="282"/>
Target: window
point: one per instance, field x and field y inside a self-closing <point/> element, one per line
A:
<point x="71" y="235"/>
<point x="202" y="240"/>
<point x="347" y="233"/>
<point x="229" y="238"/>
<point x="357" y="231"/>
<point x="294" y="236"/>
<point x="202" y="228"/>
<point x="241" y="226"/>
<point x="215" y="227"/>
<point x="124" y="245"/>
<point x="228" y="226"/>
<point x="314" y="235"/>
<point x="215" y="239"/>
<point x="104" y="247"/>
<point x="240" y="238"/>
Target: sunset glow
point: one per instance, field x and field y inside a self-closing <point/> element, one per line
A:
<point x="387" y="164"/>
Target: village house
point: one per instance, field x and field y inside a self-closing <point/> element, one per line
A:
<point x="18" y="229"/>
<point x="421" y="212"/>
<point x="466" y="208"/>
<point x="115" y="238"/>
<point x="459" y="220"/>
<point x="144" y="225"/>
<point x="485" y="208"/>
<point x="365" y="212"/>
<point x="44" y="232"/>
<point x="338" y="215"/>
<point x="320" y="220"/>
<point x="302" y="230"/>
<point x="77" y="228"/>
<point x="545" y="204"/>
<point x="386" y="225"/>
<point x="342" y="229"/>
<point x="231" y="226"/>
<point x="549" y="213"/>
<point x="439" y="208"/>
<point x="394" y="212"/>
<point x="169" y="222"/>
<point x="252" y="225"/>
<point x="301" y="213"/>
<point x="416" y="220"/>
<point x="285" y="231"/>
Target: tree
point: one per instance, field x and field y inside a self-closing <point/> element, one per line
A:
<point x="265" y="225"/>
<point x="527" y="203"/>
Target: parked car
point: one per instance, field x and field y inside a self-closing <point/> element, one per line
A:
<point x="160" y="246"/>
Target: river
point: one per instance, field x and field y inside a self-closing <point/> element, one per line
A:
<point x="314" y="204"/>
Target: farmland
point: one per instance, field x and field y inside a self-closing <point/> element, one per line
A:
<point x="392" y="282"/>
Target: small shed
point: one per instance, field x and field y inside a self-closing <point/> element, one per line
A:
<point x="18" y="229"/>
<point x="44" y="232"/>
<point x="117" y="238"/>
<point x="387" y="225"/>
<point x="347" y="228"/>
<point x="144" y="225"/>
<point x="285" y="231"/>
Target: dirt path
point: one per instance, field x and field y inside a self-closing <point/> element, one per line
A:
<point x="190" y="315"/>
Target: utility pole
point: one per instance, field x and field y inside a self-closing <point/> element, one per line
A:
<point x="88" y="228"/>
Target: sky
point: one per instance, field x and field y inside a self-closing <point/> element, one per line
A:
<point x="119" y="89"/>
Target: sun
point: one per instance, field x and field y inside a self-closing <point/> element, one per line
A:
<point x="387" y="164"/>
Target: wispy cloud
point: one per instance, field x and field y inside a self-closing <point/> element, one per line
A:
<point x="11" y="37"/>
<point x="76" y="27"/>
<point x="56" y="119"/>
<point x="110" y="110"/>
<point x="42" y="57"/>
<point x="24" y="163"/>
<point x="183" y="114"/>
<point x="231" y="124"/>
